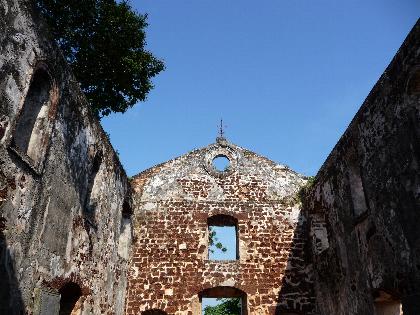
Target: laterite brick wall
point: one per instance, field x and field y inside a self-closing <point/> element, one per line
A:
<point x="172" y="202"/>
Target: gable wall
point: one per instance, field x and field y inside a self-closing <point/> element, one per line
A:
<point x="172" y="202"/>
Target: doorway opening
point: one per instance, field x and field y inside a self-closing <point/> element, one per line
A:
<point x="223" y="300"/>
<point x="386" y="304"/>
<point x="70" y="301"/>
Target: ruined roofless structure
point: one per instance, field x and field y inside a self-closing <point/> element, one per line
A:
<point x="78" y="237"/>
<point x="174" y="205"/>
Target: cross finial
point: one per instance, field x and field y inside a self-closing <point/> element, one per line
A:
<point x="221" y="131"/>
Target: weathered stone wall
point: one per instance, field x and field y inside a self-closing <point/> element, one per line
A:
<point x="365" y="204"/>
<point x="170" y="268"/>
<point x="62" y="186"/>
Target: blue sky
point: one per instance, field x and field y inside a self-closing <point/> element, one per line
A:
<point x="226" y="235"/>
<point x="285" y="76"/>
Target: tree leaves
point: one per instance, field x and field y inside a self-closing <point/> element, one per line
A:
<point x="104" y="42"/>
<point x="212" y="241"/>
<point x="228" y="306"/>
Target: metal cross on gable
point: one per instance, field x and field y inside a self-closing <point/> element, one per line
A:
<point x="221" y="129"/>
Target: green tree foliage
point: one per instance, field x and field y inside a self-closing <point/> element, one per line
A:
<point x="104" y="42"/>
<point x="228" y="306"/>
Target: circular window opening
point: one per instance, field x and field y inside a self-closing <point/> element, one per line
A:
<point x="221" y="163"/>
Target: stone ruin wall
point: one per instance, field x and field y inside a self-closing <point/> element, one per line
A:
<point x="365" y="204"/>
<point x="172" y="202"/>
<point x="62" y="199"/>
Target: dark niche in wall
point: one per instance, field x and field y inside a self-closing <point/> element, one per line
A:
<point x="413" y="86"/>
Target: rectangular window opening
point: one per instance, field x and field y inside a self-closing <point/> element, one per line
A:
<point x="223" y="242"/>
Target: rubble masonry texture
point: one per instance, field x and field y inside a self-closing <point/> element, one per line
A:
<point x="172" y="202"/>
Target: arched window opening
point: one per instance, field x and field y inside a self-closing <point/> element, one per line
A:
<point x="124" y="240"/>
<point x="223" y="237"/>
<point x="154" y="312"/>
<point x="32" y="123"/>
<point x="127" y="210"/>
<point x="90" y="204"/>
<point x="223" y="300"/>
<point x="70" y="301"/>
<point x="386" y="304"/>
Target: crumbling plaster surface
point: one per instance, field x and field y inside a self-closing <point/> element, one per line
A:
<point x="60" y="220"/>
<point x="356" y="256"/>
<point x="172" y="202"/>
